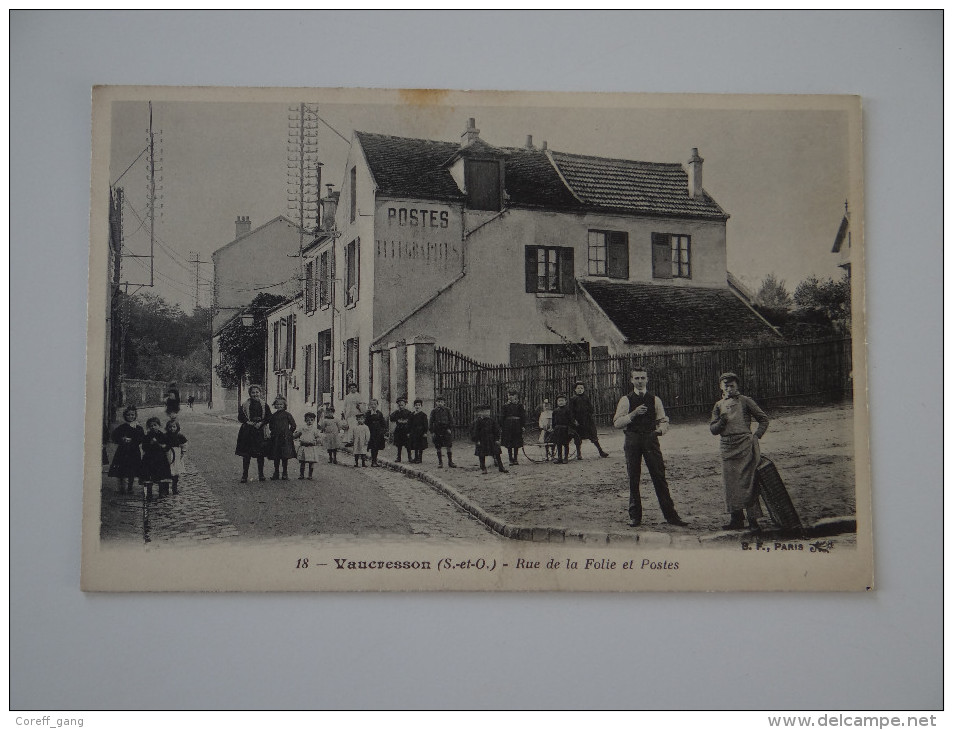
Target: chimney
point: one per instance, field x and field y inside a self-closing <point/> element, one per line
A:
<point x="529" y="142"/>
<point x="242" y="226"/>
<point x="471" y="135"/>
<point x="545" y="145"/>
<point x="695" y="176"/>
<point x="329" y="206"/>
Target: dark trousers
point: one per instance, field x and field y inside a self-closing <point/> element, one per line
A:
<point x="640" y="446"/>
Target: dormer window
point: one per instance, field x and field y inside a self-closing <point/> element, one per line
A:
<point x="484" y="184"/>
<point x="477" y="169"/>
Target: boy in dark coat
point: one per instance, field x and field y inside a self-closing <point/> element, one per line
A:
<point x="401" y="419"/>
<point x="584" y="420"/>
<point x="377" y="424"/>
<point x="562" y="430"/>
<point x="417" y="429"/>
<point x="512" y="423"/>
<point x="441" y="426"/>
<point x="485" y="433"/>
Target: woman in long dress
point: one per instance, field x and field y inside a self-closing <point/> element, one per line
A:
<point x="253" y="415"/>
<point x="740" y="451"/>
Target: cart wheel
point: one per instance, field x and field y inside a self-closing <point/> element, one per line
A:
<point x="775" y="496"/>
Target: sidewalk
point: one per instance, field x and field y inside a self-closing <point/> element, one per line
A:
<point x="587" y="500"/>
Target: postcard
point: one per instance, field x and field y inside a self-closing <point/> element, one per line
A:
<point x="432" y="340"/>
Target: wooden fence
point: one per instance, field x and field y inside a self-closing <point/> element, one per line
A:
<point x="686" y="380"/>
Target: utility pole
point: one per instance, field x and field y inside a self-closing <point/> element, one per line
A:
<point x="152" y="200"/>
<point x="304" y="174"/>
<point x="195" y="260"/>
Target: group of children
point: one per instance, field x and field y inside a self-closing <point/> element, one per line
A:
<point x="153" y="455"/>
<point x="365" y="431"/>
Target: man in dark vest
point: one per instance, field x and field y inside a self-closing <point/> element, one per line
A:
<point x="642" y="416"/>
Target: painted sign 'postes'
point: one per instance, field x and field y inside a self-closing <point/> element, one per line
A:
<point x="422" y="217"/>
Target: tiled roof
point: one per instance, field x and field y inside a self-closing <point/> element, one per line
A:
<point x="656" y="314"/>
<point x="411" y="168"/>
<point x="656" y="188"/>
<point x="417" y="168"/>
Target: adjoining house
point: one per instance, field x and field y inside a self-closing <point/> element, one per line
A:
<point x="505" y="255"/>
<point x="266" y="259"/>
<point x="842" y="242"/>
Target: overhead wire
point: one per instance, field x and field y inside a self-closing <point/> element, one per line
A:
<point x="144" y="150"/>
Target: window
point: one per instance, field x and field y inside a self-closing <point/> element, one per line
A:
<point x="324" y="280"/>
<point x="353" y="192"/>
<point x="528" y="354"/>
<point x="307" y="373"/>
<point x="284" y="341"/>
<point x="309" y="287"/>
<point x="671" y="256"/>
<point x="483" y="184"/>
<point x="324" y="364"/>
<point x="352" y="253"/>
<point x="609" y="254"/>
<point x="549" y="270"/>
<point x="351" y="373"/>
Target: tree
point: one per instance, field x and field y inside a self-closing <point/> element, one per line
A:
<point x="161" y="341"/>
<point x="826" y="301"/>
<point x="773" y="294"/>
<point x="243" y="349"/>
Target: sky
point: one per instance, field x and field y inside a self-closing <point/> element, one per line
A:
<point x="782" y="174"/>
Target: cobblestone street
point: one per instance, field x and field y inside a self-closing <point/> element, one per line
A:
<point x="341" y="502"/>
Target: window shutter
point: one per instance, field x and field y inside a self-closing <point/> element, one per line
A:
<point x="661" y="256"/>
<point x="532" y="253"/>
<point x="617" y="255"/>
<point x="357" y="270"/>
<point x="567" y="276"/>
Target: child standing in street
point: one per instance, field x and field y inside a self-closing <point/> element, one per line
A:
<point x="417" y="428"/>
<point x="283" y="426"/>
<point x="127" y="461"/>
<point x="155" y="462"/>
<point x="377" y="424"/>
<point x="362" y="437"/>
<point x="546" y="428"/>
<point x="401" y="420"/>
<point x="332" y="434"/>
<point x="308" y="448"/>
<point x="441" y="426"/>
<point x="562" y="430"/>
<point x="485" y="433"/>
<point x="513" y="421"/>
<point x="176" y="440"/>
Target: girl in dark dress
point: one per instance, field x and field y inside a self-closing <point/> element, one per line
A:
<point x="485" y="433"/>
<point x="127" y="460"/>
<point x="513" y="422"/>
<point x="562" y="430"/>
<point x="253" y="415"/>
<point x="375" y="421"/>
<point x="155" y="459"/>
<point x="282" y="425"/>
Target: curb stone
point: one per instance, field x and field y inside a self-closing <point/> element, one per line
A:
<point x="822" y="528"/>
